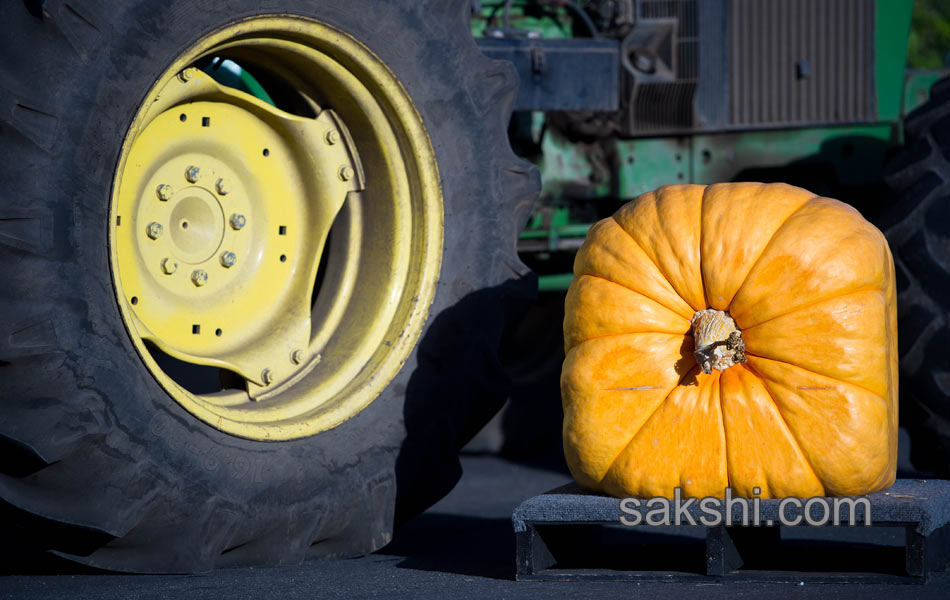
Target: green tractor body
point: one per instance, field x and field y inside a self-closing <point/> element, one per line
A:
<point x="648" y="93"/>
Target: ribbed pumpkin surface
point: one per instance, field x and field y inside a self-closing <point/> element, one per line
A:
<point x="810" y="285"/>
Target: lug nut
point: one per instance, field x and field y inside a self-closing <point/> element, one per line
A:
<point x="228" y="259"/>
<point x="332" y="137"/>
<point x="154" y="230"/>
<point x="238" y="221"/>
<point x="199" y="277"/>
<point x="169" y="265"/>
<point x="188" y="74"/>
<point x="192" y="174"/>
<point x="296" y="357"/>
<point x="346" y="173"/>
<point x="267" y="377"/>
<point x="223" y="187"/>
<point x="165" y="192"/>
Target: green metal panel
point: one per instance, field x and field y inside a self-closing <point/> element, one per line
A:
<point x="892" y="30"/>
<point x="646" y="164"/>
<point x="855" y="153"/>
<point x="554" y="283"/>
<point x="567" y="169"/>
<point x="548" y="23"/>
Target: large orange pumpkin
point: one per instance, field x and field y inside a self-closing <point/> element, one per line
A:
<point x="787" y="298"/>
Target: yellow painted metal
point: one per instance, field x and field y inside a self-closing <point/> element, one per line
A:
<point x="245" y="196"/>
<point x="288" y="199"/>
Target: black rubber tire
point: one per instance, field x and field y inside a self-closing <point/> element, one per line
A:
<point x="918" y="231"/>
<point x="97" y="462"/>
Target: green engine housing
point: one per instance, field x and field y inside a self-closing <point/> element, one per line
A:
<point x="811" y="93"/>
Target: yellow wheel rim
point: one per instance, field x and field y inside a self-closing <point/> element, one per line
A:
<point x="294" y="247"/>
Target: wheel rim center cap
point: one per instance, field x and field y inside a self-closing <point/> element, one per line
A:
<point x="196" y="225"/>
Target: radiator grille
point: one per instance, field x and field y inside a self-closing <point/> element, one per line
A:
<point x="669" y="105"/>
<point x="799" y="61"/>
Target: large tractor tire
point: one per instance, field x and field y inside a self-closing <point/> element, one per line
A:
<point x="247" y="323"/>
<point x="918" y="231"/>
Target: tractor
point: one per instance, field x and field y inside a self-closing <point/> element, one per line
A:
<point x="267" y="263"/>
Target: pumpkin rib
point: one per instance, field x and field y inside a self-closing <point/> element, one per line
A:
<point x="761" y="253"/>
<point x="800" y="265"/>
<point x="669" y="308"/>
<point x="722" y="430"/>
<point x="811" y="372"/>
<point x="610" y="335"/>
<point x="647" y="420"/>
<point x="665" y="205"/>
<point x="849" y="343"/>
<point x="610" y="251"/>
<point x="697" y="472"/>
<point x="706" y="287"/>
<point x="765" y="248"/>
<point x="861" y="290"/>
<point x="725" y="438"/>
<point x="830" y="486"/>
<point x="640" y="298"/>
<point x="635" y="292"/>
<point x="788" y="428"/>
<point x="658" y="267"/>
<point x="624" y="411"/>
<point x="771" y="479"/>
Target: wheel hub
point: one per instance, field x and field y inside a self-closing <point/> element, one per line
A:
<point x="199" y="167"/>
<point x="196" y="226"/>
<point x="223" y="204"/>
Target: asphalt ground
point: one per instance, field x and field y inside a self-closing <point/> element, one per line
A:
<point x="463" y="547"/>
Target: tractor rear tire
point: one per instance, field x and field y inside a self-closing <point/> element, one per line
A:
<point x="918" y="231"/>
<point x="98" y="461"/>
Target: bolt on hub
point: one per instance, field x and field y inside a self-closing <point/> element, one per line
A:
<point x="169" y="266"/>
<point x="228" y="259"/>
<point x="193" y="174"/>
<point x="154" y="230"/>
<point x="187" y="75"/>
<point x="165" y="192"/>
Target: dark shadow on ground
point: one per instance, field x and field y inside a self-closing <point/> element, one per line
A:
<point x="463" y="545"/>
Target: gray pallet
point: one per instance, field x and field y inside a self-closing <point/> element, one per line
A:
<point x="571" y="534"/>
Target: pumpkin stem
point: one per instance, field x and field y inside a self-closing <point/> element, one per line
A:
<point x="718" y="341"/>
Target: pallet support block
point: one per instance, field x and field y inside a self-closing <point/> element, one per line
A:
<point x="571" y="534"/>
